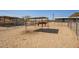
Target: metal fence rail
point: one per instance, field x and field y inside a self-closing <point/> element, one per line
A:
<point x="75" y="27"/>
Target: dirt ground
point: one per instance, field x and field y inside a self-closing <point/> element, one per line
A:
<point x="56" y="35"/>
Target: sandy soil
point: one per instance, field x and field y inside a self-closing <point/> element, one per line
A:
<point x="19" y="37"/>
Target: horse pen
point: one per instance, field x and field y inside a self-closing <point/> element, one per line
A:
<point x="47" y="35"/>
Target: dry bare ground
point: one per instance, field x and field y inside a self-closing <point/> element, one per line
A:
<point x="19" y="37"/>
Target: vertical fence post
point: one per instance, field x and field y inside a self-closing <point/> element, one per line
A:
<point x="77" y="28"/>
<point x="68" y="23"/>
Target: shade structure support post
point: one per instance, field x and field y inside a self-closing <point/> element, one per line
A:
<point x="25" y="23"/>
<point x="4" y="21"/>
<point x="69" y="22"/>
<point x="47" y="23"/>
<point x="16" y="22"/>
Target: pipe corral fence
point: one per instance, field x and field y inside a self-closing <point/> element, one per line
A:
<point x="73" y="24"/>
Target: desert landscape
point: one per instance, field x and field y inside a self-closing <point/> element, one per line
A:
<point x="56" y="35"/>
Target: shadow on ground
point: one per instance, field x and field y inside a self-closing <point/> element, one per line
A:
<point x="47" y="30"/>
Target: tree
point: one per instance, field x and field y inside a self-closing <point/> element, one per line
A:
<point x="76" y="14"/>
<point x="26" y="19"/>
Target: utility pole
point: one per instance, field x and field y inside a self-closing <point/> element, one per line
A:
<point x="53" y="16"/>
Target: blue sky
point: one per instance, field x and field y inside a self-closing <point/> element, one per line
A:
<point x="33" y="13"/>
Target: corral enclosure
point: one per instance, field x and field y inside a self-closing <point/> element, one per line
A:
<point x="60" y="32"/>
<point x="57" y="34"/>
